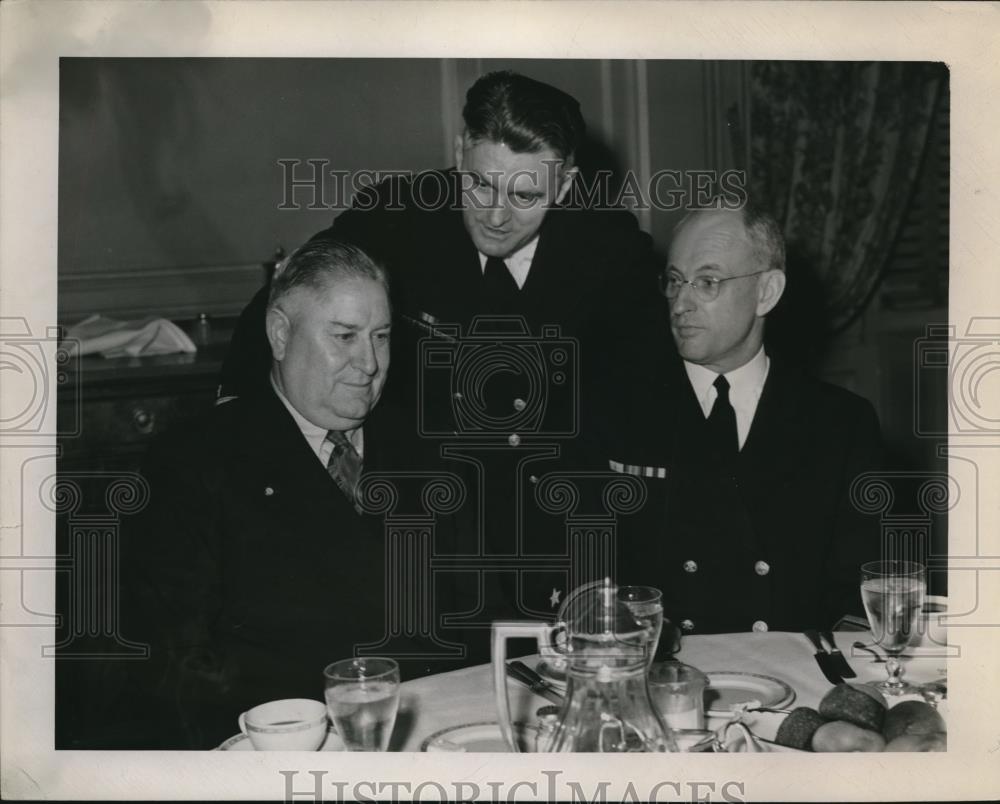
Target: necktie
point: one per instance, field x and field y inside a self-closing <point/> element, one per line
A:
<point x="498" y="281"/>
<point x="722" y="419"/>
<point x="344" y="465"/>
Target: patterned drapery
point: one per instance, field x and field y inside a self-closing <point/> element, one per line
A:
<point x="834" y="151"/>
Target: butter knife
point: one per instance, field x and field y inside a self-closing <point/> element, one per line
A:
<point x="839" y="662"/>
<point x="823" y="659"/>
<point x="538" y="685"/>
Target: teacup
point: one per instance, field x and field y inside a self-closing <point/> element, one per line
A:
<point x="293" y="724"/>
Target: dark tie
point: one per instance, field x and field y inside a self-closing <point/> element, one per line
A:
<point x="498" y="281"/>
<point x="344" y="465"/>
<point x="722" y="419"/>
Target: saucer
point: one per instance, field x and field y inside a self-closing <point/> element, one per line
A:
<point x="483" y="737"/>
<point x="726" y="690"/>
<point x="240" y="742"/>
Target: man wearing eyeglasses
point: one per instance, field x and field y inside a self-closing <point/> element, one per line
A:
<point x="750" y="525"/>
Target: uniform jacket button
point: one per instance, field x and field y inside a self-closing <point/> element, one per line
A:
<point x="533" y="479"/>
<point x="759" y="626"/>
<point x="687" y="625"/>
<point x="519" y="404"/>
<point x="513" y="439"/>
<point x="762" y="568"/>
<point x="690" y="566"/>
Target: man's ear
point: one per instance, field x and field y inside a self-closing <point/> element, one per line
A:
<point x="769" y="290"/>
<point x="459" y="150"/>
<point x="278" y="327"/>
<point x="566" y="181"/>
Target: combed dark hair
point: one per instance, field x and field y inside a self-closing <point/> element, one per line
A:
<point x="524" y="114"/>
<point x="321" y="262"/>
<point x="766" y="238"/>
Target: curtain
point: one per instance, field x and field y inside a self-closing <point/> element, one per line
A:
<point x="834" y="151"/>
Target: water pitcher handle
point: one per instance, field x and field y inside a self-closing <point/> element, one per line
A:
<point x="502" y="631"/>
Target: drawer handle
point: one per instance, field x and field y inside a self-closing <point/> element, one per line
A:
<point x="143" y="421"/>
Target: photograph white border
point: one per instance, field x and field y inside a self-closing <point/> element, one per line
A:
<point x="34" y="34"/>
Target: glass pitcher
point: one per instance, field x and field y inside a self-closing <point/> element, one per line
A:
<point x="606" y="649"/>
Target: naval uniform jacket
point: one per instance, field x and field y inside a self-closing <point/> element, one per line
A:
<point x="594" y="335"/>
<point x="247" y="574"/>
<point x="592" y="282"/>
<point x="768" y="540"/>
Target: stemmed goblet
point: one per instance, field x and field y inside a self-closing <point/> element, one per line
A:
<point x="893" y="596"/>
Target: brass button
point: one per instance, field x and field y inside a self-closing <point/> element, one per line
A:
<point x="513" y="439"/>
<point x="687" y="625"/>
<point x="759" y="626"/>
<point x="519" y="404"/>
<point x="762" y="568"/>
<point x="457" y="396"/>
<point x="690" y="566"/>
<point x="268" y="491"/>
<point x="533" y="479"/>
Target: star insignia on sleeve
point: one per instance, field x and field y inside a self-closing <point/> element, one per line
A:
<point x="554" y="597"/>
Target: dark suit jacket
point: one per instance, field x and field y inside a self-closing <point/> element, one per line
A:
<point x="784" y="501"/>
<point x="248" y="573"/>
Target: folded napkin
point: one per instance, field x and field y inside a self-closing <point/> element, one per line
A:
<point x="148" y="336"/>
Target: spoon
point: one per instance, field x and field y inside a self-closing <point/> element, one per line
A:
<point x="872" y="651"/>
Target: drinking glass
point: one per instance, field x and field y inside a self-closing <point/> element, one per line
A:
<point x="362" y="697"/>
<point x="644" y="604"/>
<point x="893" y="596"/>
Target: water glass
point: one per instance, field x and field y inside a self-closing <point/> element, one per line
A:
<point x="362" y="697"/>
<point x="644" y="603"/>
<point x="678" y="693"/>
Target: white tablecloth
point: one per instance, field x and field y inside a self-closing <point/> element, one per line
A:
<point x="430" y="704"/>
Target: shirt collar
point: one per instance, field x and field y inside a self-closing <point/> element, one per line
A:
<point x="519" y="259"/>
<point x="314" y="434"/>
<point x="745" y="382"/>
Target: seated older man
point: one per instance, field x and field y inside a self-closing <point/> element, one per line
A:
<point x="253" y="567"/>
<point x="749" y="523"/>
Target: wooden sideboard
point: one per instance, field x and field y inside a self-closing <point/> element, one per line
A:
<point x="122" y="404"/>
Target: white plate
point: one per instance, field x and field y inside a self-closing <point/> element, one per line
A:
<point x="724" y="690"/>
<point x="240" y="742"/>
<point x="479" y="737"/>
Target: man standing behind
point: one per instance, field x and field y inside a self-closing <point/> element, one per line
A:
<point x="252" y="568"/>
<point x="496" y="236"/>
<point x="750" y="525"/>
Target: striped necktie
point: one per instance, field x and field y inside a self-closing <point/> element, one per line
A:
<point x="344" y="465"/>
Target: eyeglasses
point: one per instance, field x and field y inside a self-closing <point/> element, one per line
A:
<point x="706" y="287"/>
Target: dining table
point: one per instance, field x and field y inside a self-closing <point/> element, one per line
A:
<point x="432" y="704"/>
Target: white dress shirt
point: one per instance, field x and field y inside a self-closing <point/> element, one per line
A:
<point x="316" y="435"/>
<point x="518" y="263"/>
<point x="745" y="387"/>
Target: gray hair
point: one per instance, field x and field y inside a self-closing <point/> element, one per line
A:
<point x="766" y="240"/>
<point x="765" y="237"/>
<point x="321" y="262"/>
